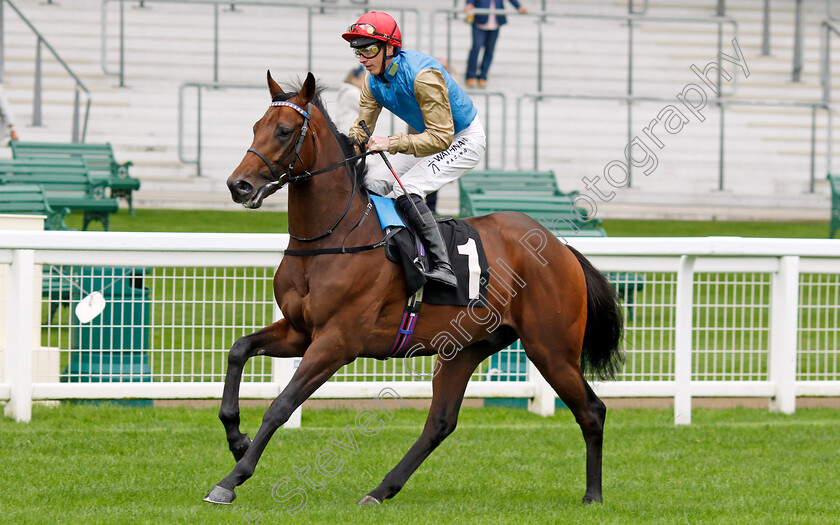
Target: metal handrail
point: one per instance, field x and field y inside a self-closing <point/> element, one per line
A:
<point x="181" y="110"/>
<point x="826" y="28"/>
<point x="541" y="17"/>
<point x="640" y="12"/>
<point x="487" y="95"/>
<point x="77" y="135"/>
<point x="722" y="103"/>
<point x="311" y="9"/>
<point x="487" y="127"/>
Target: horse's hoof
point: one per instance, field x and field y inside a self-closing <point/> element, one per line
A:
<point x="368" y="500"/>
<point x="589" y="500"/>
<point x="220" y="496"/>
<point x="241" y="447"/>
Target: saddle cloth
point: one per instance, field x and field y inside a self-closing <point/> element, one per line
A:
<point x="466" y="253"/>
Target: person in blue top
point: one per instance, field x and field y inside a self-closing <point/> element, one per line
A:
<point x="485" y="31"/>
<point x="416" y="88"/>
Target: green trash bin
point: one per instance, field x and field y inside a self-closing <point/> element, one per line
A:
<point x="111" y="347"/>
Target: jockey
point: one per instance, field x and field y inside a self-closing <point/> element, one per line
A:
<point x="416" y="88"/>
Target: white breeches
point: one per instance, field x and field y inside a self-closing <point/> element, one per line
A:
<point x="423" y="175"/>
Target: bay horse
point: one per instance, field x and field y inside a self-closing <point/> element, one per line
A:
<point x="341" y="306"/>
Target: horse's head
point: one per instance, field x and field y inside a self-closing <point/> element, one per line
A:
<point x="277" y="148"/>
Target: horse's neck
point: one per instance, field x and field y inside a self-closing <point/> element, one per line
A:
<point x="316" y="205"/>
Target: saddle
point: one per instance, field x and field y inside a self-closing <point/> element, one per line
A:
<point x="466" y="253"/>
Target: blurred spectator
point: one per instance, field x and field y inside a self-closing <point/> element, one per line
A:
<point x="7" y="121"/>
<point x="348" y="98"/>
<point x="485" y="31"/>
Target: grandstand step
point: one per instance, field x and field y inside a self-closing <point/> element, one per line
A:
<point x="167" y="44"/>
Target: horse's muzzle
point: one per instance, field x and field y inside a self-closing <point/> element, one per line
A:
<point x="245" y="194"/>
<point x="241" y="190"/>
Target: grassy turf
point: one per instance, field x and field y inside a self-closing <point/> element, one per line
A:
<point x="261" y="221"/>
<point x="102" y="464"/>
<point x="214" y="221"/>
<point x="638" y="228"/>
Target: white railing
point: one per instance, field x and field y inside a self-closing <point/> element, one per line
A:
<point x="710" y="317"/>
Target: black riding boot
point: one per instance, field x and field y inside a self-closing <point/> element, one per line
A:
<point x="427" y="227"/>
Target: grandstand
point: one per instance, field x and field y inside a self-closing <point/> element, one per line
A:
<point x="167" y="44"/>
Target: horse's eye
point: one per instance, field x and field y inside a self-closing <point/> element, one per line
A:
<point x="284" y="132"/>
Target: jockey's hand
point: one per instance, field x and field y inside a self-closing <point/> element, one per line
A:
<point x="379" y="144"/>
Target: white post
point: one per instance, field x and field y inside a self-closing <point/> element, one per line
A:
<point x="19" y="340"/>
<point x="784" y="320"/>
<point x="281" y="373"/>
<point x="542" y="403"/>
<point x="682" y="352"/>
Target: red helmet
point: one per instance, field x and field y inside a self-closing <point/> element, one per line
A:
<point x="375" y="25"/>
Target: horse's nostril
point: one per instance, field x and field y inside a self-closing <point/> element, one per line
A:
<point x="243" y="188"/>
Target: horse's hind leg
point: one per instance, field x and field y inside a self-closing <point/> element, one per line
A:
<point x="448" y="386"/>
<point x="277" y="340"/>
<point x="561" y="369"/>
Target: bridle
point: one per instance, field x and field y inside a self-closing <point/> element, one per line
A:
<point x="306" y="175"/>
<point x="290" y="177"/>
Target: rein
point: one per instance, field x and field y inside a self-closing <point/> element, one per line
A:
<point x="306" y="175"/>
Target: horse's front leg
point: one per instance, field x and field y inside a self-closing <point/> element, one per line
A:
<point x="322" y="359"/>
<point x="276" y="340"/>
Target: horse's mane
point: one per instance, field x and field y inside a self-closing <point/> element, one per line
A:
<point x="346" y="143"/>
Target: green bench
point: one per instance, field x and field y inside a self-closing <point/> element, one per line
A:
<point x="67" y="183"/>
<point x="30" y="199"/>
<point x="835" y="205"/>
<point x="534" y="193"/>
<point x="100" y="160"/>
<point x="510" y="182"/>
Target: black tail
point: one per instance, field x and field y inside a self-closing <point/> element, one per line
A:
<point x="601" y="356"/>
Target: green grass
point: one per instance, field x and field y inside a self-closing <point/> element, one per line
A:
<point x="101" y="464"/>
<point x="214" y="221"/>
<point x="640" y="228"/>
<point x="262" y="221"/>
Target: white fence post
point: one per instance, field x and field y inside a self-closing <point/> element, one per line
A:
<point x="542" y="403"/>
<point x="682" y="351"/>
<point x="281" y="373"/>
<point x="19" y="341"/>
<point x="783" y="340"/>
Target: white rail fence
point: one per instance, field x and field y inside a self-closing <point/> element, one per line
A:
<point x="705" y="317"/>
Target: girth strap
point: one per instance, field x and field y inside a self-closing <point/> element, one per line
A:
<point x="342" y="249"/>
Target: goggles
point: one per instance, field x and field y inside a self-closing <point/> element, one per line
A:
<point x="366" y="29"/>
<point x="368" y="52"/>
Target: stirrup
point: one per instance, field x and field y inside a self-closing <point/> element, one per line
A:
<point x="443" y="275"/>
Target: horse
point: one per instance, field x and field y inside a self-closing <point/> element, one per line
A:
<point x="339" y="304"/>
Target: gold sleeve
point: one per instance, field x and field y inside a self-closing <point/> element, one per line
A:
<point x="433" y="97"/>
<point x="369" y="110"/>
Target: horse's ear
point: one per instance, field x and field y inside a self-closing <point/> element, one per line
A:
<point x="307" y="92"/>
<point x="273" y="88"/>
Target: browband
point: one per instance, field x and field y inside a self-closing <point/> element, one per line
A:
<point x="295" y="107"/>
